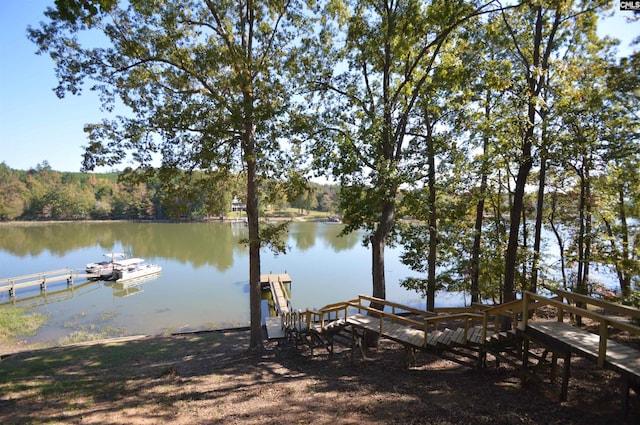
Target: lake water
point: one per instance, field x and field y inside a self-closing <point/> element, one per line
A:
<point x="204" y="279"/>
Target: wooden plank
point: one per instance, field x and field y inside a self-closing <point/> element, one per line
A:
<point x="364" y="321"/>
<point x="433" y="337"/>
<point x="474" y="335"/>
<point x="445" y="337"/>
<point x="458" y="337"/>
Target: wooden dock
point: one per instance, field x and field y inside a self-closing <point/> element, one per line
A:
<point x="41" y="280"/>
<point x="281" y="302"/>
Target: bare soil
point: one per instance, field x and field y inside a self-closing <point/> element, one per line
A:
<point x="213" y="379"/>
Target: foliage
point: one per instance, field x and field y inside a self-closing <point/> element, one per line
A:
<point x="441" y="111"/>
<point x="45" y="194"/>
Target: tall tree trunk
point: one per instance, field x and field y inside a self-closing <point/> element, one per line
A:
<point x="253" y="223"/>
<point x="516" y="211"/>
<point x="625" y="280"/>
<point x="477" y="234"/>
<point x="255" y="296"/>
<point x="584" y="238"/>
<point x="525" y="246"/>
<point x="558" y="236"/>
<point x="581" y="213"/>
<point x="537" y="238"/>
<point x="581" y="287"/>
<point x="378" y="242"/>
<point x="536" y="82"/>
<point x="588" y="239"/>
<point x="433" y="226"/>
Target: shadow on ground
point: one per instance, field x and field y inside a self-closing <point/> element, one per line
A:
<point x="211" y="378"/>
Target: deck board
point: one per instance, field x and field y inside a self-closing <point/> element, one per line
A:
<point x="619" y="356"/>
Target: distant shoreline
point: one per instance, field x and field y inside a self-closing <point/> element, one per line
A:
<point x="210" y="220"/>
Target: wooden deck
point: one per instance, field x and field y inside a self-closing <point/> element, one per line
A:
<point x="619" y="357"/>
<point x="475" y="331"/>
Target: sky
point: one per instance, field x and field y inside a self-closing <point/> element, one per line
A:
<point x="36" y="126"/>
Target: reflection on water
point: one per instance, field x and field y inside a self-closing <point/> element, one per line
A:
<point x="198" y="244"/>
<point x="204" y="280"/>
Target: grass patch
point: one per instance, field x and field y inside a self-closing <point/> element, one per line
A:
<point x="16" y="322"/>
<point x="92" y="333"/>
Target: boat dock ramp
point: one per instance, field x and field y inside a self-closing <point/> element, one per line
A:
<point x="12" y="284"/>
<point x="279" y="286"/>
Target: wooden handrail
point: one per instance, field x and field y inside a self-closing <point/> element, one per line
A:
<point x="395" y="305"/>
<point x="470" y="309"/>
<point x="611" y="306"/>
<point x="604" y="321"/>
<point x="41" y="275"/>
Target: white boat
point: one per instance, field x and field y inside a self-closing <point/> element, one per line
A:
<point x="104" y="269"/>
<point x="133" y="268"/>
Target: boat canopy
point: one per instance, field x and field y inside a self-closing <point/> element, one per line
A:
<point x="129" y="262"/>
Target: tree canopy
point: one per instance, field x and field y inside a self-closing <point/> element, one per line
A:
<point x="446" y="112"/>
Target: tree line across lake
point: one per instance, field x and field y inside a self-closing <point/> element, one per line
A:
<point x="42" y="193"/>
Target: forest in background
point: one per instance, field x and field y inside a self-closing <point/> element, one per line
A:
<point x="42" y="193"/>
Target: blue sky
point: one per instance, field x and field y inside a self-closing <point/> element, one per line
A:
<point x="36" y="126"/>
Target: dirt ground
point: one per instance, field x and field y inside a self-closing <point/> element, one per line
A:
<point x="213" y="379"/>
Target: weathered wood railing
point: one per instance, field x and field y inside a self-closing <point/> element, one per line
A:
<point x="398" y="314"/>
<point x="38" y="279"/>
<point x="530" y="299"/>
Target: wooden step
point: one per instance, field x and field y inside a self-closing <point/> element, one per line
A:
<point x="474" y="335"/>
<point x="445" y="337"/>
<point x="432" y="338"/>
<point x="458" y="337"/>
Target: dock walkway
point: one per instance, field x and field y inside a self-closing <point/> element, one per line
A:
<point x="281" y="302"/>
<point x="12" y="284"/>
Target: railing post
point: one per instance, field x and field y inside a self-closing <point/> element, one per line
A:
<point x="602" y="350"/>
<point x="466" y="326"/>
<point x="560" y="310"/>
<point x="426" y="332"/>
<point x="525" y="309"/>
<point x="485" y="324"/>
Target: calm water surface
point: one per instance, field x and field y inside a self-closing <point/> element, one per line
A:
<point x="204" y="279"/>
